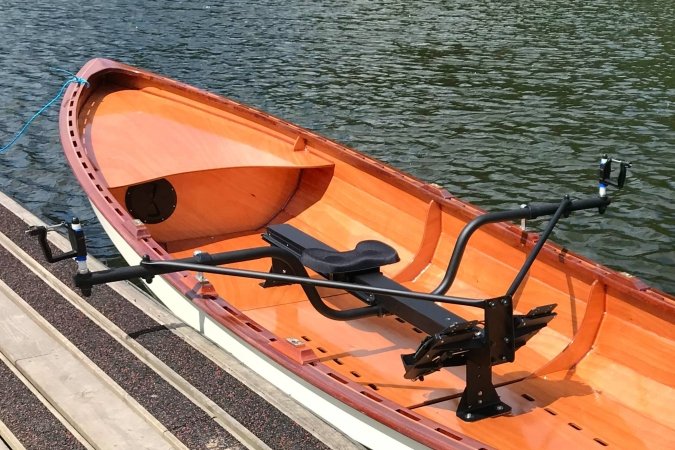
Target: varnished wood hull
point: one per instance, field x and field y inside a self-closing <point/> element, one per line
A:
<point x="598" y="375"/>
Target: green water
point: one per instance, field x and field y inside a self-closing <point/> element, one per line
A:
<point x="500" y="102"/>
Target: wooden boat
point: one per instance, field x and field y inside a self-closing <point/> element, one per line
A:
<point x="172" y="171"/>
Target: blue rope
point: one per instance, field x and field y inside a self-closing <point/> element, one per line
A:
<point x="73" y="79"/>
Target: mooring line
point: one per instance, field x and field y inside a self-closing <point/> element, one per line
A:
<point x="73" y="79"/>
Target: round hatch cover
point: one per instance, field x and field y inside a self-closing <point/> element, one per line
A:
<point x="151" y="202"/>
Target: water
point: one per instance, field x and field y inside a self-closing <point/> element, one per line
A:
<point x="500" y="102"/>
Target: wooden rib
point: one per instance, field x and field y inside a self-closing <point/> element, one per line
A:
<point x="300" y="144"/>
<point x="430" y="236"/>
<point x="583" y="340"/>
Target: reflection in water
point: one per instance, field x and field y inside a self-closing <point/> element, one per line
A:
<point x="500" y="103"/>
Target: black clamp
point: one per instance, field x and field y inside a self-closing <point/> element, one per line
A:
<point x="75" y="236"/>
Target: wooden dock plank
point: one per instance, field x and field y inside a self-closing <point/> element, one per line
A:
<point x="67" y="380"/>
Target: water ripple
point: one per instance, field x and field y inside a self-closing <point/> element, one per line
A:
<point x="499" y="102"/>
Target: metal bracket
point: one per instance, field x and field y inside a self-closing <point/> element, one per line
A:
<point x="480" y="399"/>
<point x="528" y="325"/>
<point x="445" y="349"/>
<point x="478" y="349"/>
<point x="499" y="330"/>
<point x="280" y="267"/>
<point x="76" y="240"/>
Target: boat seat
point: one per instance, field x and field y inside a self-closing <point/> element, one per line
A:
<point x="367" y="255"/>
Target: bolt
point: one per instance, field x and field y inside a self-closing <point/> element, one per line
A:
<point x="491" y="304"/>
<point x="505" y="301"/>
<point x="500" y="408"/>
<point x="468" y="416"/>
<point x="295" y="342"/>
<point x="507" y="340"/>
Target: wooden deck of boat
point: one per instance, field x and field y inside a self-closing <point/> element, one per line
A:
<point x="117" y="370"/>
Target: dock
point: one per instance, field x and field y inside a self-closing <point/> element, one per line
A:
<point x="118" y="370"/>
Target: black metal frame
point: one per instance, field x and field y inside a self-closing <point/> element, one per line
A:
<point x="75" y="235"/>
<point x="461" y="343"/>
<point x="532" y="211"/>
<point x="474" y="347"/>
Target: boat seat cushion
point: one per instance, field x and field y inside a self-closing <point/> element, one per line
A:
<point x="367" y="255"/>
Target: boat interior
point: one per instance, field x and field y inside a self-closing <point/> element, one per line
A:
<point x="213" y="177"/>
